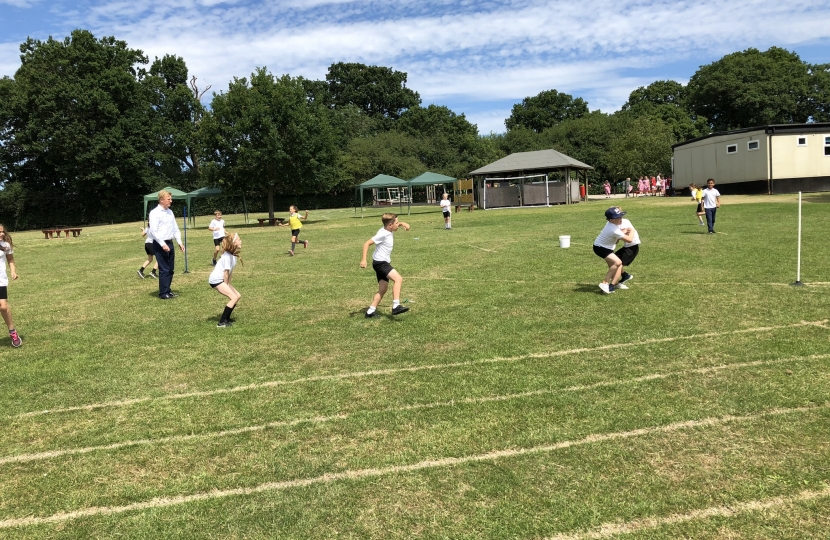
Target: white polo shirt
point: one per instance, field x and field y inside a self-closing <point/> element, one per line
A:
<point x="163" y="225"/>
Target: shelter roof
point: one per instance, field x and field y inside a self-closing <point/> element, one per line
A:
<point x="430" y="178"/>
<point x="539" y="160"/>
<point x="175" y="193"/>
<point x="205" y="192"/>
<point x="383" y="180"/>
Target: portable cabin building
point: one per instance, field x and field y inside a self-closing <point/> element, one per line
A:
<point x="783" y="158"/>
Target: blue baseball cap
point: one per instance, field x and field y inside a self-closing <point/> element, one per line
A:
<point x="614" y="213"/>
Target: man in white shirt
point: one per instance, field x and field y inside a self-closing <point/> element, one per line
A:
<point x="711" y="203"/>
<point x="164" y="229"/>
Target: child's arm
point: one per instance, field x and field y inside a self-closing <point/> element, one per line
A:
<point x="304" y="217"/>
<point x="717" y="200"/>
<point x="366" y="245"/>
<point x="404" y="225"/>
<point x="628" y="235"/>
<point x="12" y="269"/>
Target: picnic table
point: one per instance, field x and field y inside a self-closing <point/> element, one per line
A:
<point x="272" y="221"/>
<point x="468" y="205"/>
<point x="56" y="231"/>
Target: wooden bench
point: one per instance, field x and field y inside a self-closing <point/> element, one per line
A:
<point x="271" y="221"/>
<point x="460" y="205"/>
<point x="56" y="231"/>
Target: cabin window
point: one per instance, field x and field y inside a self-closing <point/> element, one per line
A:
<point x="802" y="141"/>
<point x="827" y="146"/>
<point x="753" y="145"/>
<point x="731" y="148"/>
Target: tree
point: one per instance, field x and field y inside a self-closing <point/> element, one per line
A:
<point x="752" y="88"/>
<point x="820" y="92"/>
<point x="267" y="136"/>
<point x="545" y="110"/>
<point x="176" y="113"/>
<point x="378" y="91"/>
<point x="389" y="152"/>
<point x="642" y="146"/>
<point x="449" y="142"/>
<point x="76" y="129"/>
<point x="666" y="100"/>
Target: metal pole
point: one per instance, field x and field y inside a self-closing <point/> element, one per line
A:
<point x="184" y="220"/>
<point x="798" y="263"/>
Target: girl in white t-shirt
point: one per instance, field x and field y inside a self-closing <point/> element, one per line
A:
<point x="445" y="209"/>
<point x="217" y="225"/>
<point x="7" y="256"/>
<point x="220" y="277"/>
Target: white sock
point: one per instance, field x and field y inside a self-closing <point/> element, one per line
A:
<point x="370" y="310"/>
<point x="395" y="303"/>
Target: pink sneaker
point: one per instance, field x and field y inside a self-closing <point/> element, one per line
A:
<point x="290" y="253"/>
<point x="16" y="341"/>
<point x="305" y="244"/>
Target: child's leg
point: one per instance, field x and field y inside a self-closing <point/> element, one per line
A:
<point x="6" y="311"/>
<point x="216" y="250"/>
<point x="383" y="286"/>
<point x="232" y="294"/>
<point x="614" y="268"/>
<point x="396" y="287"/>
<point x="146" y="264"/>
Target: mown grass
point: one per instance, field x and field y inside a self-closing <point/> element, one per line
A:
<point x="514" y="400"/>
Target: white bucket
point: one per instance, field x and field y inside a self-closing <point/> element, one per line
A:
<point x="564" y="241"/>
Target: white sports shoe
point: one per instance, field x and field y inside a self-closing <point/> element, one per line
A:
<point x="621" y="285"/>
<point x="605" y="288"/>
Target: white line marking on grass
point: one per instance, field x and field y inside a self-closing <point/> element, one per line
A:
<point x="40" y="456"/>
<point x="609" y="530"/>
<point x="481" y="248"/>
<point x="356" y="474"/>
<point x="409" y="369"/>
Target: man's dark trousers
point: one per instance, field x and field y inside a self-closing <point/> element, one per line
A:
<point x="166" y="260"/>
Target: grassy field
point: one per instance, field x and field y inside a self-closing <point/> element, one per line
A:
<point x="514" y="400"/>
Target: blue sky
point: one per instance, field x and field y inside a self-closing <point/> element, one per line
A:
<point x="476" y="57"/>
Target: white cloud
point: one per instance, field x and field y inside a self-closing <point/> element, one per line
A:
<point x="460" y="50"/>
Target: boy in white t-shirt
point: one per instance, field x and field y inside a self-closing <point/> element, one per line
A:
<point x="382" y="264"/>
<point x="605" y="244"/>
<point x="711" y="203"/>
<point x="627" y="253"/>
<point x="217" y="225"/>
<point x="445" y="208"/>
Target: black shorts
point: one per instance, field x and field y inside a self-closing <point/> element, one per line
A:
<point x="446" y="213"/>
<point x="4" y="293"/>
<point x="148" y="248"/>
<point x="602" y="252"/>
<point x="382" y="269"/>
<point x="295" y="232"/>
<point x="214" y="285"/>
<point x="217" y="241"/>
<point x="627" y="254"/>
<point x="700" y="208"/>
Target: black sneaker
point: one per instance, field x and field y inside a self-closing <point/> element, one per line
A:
<point x="153" y="275"/>
<point x="223" y="324"/>
<point x="173" y="295"/>
<point x="372" y="314"/>
<point x="626" y="277"/>
<point x="140" y="274"/>
<point x="399" y="309"/>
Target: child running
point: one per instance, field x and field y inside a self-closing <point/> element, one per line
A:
<point x="217" y="225"/>
<point x="7" y="256"/>
<point x="627" y="253"/>
<point x="220" y="277"/>
<point x="697" y="196"/>
<point x="445" y="208"/>
<point x="382" y="264"/>
<point x="294" y="218"/>
<point x="148" y="250"/>
<point x="604" y="248"/>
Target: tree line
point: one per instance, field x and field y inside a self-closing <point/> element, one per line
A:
<point x="88" y="126"/>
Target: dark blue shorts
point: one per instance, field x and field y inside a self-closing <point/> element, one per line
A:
<point x="602" y="252"/>
<point x="382" y="269"/>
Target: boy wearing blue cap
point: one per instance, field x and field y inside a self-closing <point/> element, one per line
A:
<point x="605" y="244"/>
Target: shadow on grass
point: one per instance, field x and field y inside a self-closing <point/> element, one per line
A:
<point x="588" y="288"/>
<point x="823" y="198"/>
